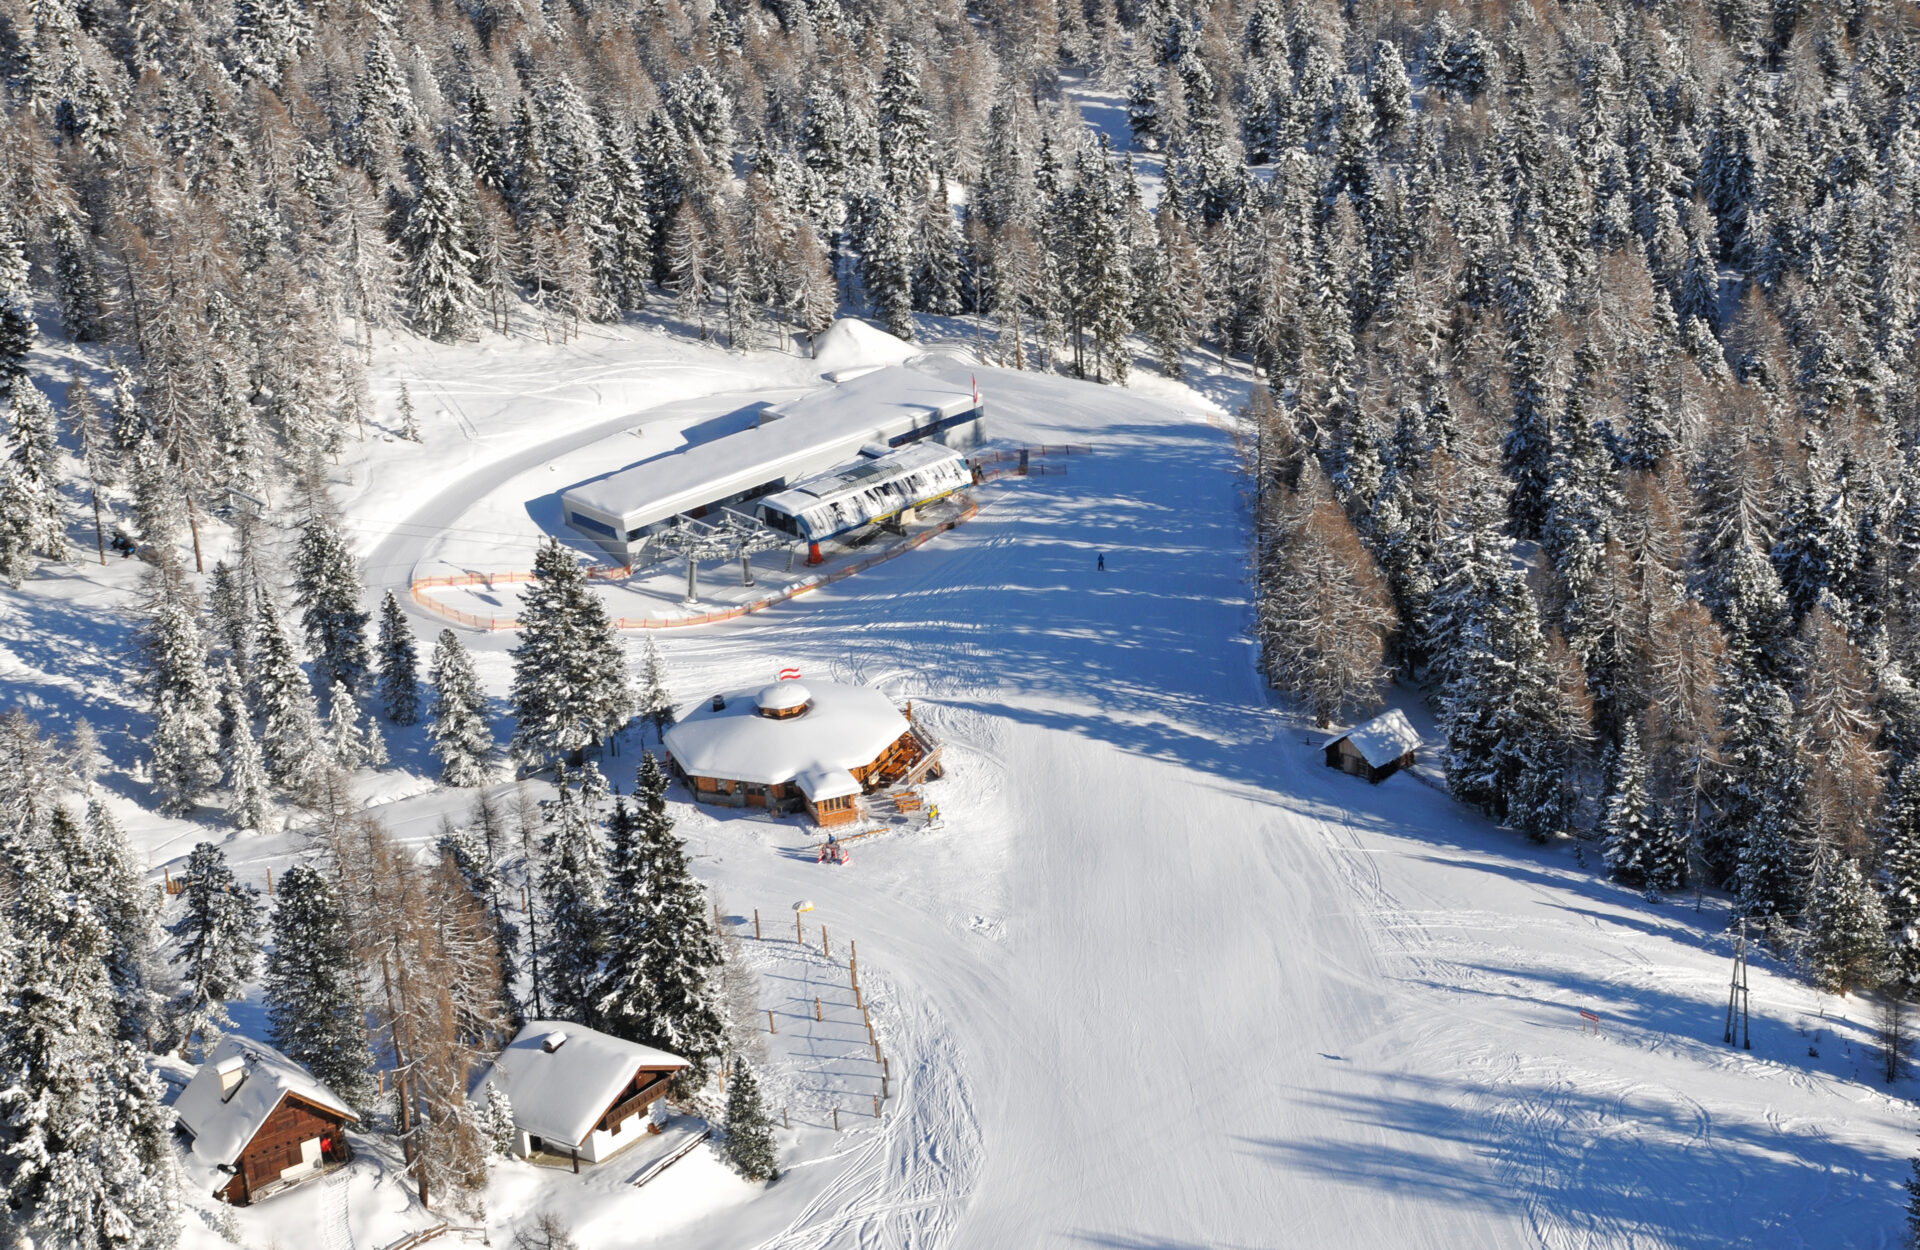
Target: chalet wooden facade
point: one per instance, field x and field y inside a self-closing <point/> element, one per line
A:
<point x="1375" y="750"/>
<point x="299" y="1140"/>
<point x="579" y="1096"/>
<point x="813" y="748"/>
<point x="261" y="1121"/>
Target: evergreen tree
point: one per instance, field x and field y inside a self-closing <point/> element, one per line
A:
<point x="185" y="744"/>
<point x="1901" y="861"/>
<point x="16" y="306"/>
<point x="219" y="936"/>
<point x="1846" y="927"/>
<point x="312" y="988"/>
<point x="570" y="686"/>
<point x="654" y="703"/>
<point x="749" y="1127"/>
<point x="33" y="510"/>
<point x="249" y="788"/>
<point x="354" y="736"/>
<point x="497" y="1121"/>
<point x="89" y="1163"/>
<point x="291" y="735"/>
<point x="442" y="300"/>
<point x="409" y="422"/>
<point x="658" y="984"/>
<point x="461" y="737"/>
<point x="572" y="892"/>
<point x="129" y="910"/>
<point x="1628" y="822"/>
<point x="327" y="589"/>
<point x="399" y="664"/>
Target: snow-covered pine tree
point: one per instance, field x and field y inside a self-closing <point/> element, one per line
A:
<point x="399" y="661"/>
<point x="1846" y="927"/>
<point x="572" y="893"/>
<point x="353" y="735"/>
<point x="185" y="745"/>
<point x="290" y="737"/>
<point x="312" y="985"/>
<point x="1900" y="861"/>
<point x="497" y="1121"/>
<point x="219" y="936"/>
<point x="679" y="951"/>
<point x="35" y="465"/>
<point x="130" y="911"/>
<point x="91" y="1165"/>
<point x="249" y="788"/>
<point x="442" y="300"/>
<point x="409" y="421"/>
<point x="461" y="737"/>
<point x="1627" y="818"/>
<point x="690" y="263"/>
<point x="570" y="685"/>
<point x="326" y="583"/>
<point x="654" y="701"/>
<point x="624" y="1001"/>
<point x="749" y="1126"/>
<point x="16" y="305"/>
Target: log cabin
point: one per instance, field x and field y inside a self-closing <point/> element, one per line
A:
<point x="578" y="1094"/>
<point x="816" y="747"/>
<point x="262" y="1120"/>
<point x="1375" y="750"/>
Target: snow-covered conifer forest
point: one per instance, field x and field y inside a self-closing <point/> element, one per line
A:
<point x="1544" y="372"/>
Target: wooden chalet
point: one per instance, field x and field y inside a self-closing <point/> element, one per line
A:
<point x="815" y="747"/>
<point x="261" y="1120"/>
<point x="579" y="1095"/>
<point x="1375" y="750"/>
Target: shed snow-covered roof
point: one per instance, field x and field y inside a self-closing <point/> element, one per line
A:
<point x="792" y="440"/>
<point x="223" y="1122"/>
<point x="827" y="783"/>
<point x="844" y="728"/>
<point x="560" y="1094"/>
<point x="1381" y="740"/>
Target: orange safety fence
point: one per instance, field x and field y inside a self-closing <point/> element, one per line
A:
<point x="475" y="621"/>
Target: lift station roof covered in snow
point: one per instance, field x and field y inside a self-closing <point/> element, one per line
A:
<point x="871" y="490"/>
<point x="888" y="407"/>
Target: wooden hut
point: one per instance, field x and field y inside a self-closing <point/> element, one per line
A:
<point x="792" y="746"/>
<point x="261" y="1118"/>
<point x="579" y="1095"/>
<point x="1375" y="750"/>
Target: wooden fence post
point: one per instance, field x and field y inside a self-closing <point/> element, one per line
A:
<point x="799" y="933"/>
<point x="876" y="1106"/>
<point x="786" y="1121"/>
<point x="816" y="1008"/>
<point x="836" y="1119"/>
<point x="756" y="924"/>
<point x="826" y="944"/>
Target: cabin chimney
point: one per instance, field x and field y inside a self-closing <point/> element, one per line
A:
<point x="719" y="703"/>
<point x="553" y="1041"/>
<point x="232" y="1070"/>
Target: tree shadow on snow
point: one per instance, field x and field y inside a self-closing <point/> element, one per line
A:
<point x="1576" y="1160"/>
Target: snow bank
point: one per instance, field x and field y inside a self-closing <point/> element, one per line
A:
<point x="851" y="344"/>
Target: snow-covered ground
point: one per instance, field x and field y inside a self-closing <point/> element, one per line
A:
<point x="1159" y="978"/>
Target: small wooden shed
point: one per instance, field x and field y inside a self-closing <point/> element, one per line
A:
<point x="262" y="1119"/>
<point x="1375" y="750"/>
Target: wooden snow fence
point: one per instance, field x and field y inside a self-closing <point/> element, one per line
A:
<point x="420" y="587"/>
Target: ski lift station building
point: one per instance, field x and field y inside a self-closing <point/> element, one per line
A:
<point x="849" y="455"/>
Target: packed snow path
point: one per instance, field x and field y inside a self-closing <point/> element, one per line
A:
<point x="1164" y="981"/>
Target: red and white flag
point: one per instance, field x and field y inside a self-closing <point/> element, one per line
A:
<point x="789" y="674"/>
<point x="976" y="389"/>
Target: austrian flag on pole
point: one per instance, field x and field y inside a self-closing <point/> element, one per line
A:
<point x="789" y="674"/>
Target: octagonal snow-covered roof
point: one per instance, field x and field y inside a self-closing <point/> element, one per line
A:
<point x="782" y="696"/>
<point x="846" y="727"/>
